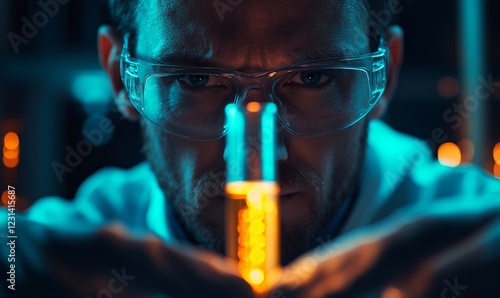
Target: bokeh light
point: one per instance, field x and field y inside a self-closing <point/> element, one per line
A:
<point x="392" y="292"/>
<point x="496" y="170"/>
<point x="256" y="276"/>
<point x="496" y="153"/>
<point x="10" y="150"/>
<point x="448" y="87"/>
<point x="11" y="141"/>
<point x="10" y="163"/>
<point x="5" y="198"/>
<point x="253" y="106"/>
<point x="449" y="154"/>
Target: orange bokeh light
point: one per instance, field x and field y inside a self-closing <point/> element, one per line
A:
<point x="10" y="150"/>
<point x="449" y="154"/>
<point x="5" y="198"/>
<point x="496" y="153"/>
<point x="448" y="87"/>
<point x="496" y="170"/>
<point x="11" y="154"/>
<point x="10" y="163"/>
<point x="392" y="293"/>
<point x="11" y="140"/>
<point x="253" y="107"/>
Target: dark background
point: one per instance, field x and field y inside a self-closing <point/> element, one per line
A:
<point x="53" y="88"/>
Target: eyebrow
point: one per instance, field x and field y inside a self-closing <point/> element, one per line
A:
<point x="193" y="58"/>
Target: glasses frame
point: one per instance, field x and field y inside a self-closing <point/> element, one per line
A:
<point x="135" y="72"/>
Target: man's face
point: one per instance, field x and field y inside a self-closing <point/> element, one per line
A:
<point x="315" y="174"/>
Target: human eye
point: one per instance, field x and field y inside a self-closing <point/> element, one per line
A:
<point x="199" y="80"/>
<point x="310" y="78"/>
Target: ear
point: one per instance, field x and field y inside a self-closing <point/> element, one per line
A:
<point x="109" y="43"/>
<point x="394" y="38"/>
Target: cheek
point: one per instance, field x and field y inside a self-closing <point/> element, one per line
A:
<point x="340" y="149"/>
<point x="186" y="159"/>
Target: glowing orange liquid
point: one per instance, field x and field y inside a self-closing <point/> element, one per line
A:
<point x="252" y="230"/>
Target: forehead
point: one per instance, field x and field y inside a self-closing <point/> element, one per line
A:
<point x="242" y="34"/>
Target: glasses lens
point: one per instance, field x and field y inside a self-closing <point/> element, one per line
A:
<point x="317" y="101"/>
<point x="188" y="104"/>
<point x="311" y="101"/>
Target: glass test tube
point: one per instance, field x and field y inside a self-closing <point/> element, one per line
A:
<point x="252" y="206"/>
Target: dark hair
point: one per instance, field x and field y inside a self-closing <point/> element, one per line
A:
<point x="123" y="12"/>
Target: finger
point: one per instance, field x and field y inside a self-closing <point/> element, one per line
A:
<point x="145" y="265"/>
<point x="372" y="257"/>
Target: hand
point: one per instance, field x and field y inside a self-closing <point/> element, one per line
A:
<point x="451" y="249"/>
<point x="109" y="262"/>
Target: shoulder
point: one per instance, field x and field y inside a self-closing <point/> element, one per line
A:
<point x="400" y="164"/>
<point x="109" y="194"/>
<point x="117" y="182"/>
<point x="436" y="181"/>
<point x="399" y="171"/>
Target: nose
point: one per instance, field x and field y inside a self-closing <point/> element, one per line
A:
<point x="255" y="92"/>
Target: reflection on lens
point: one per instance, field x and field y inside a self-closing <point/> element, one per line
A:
<point x="333" y="104"/>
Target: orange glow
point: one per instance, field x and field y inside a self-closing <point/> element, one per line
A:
<point x="11" y="141"/>
<point x="10" y="154"/>
<point x="448" y="87"/>
<point x="244" y="187"/>
<point x="257" y="255"/>
<point x="256" y="276"/>
<point x="5" y="198"/>
<point x="253" y="107"/>
<point x="10" y="163"/>
<point x="496" y="170"/>
<point x="253" y="232"/>
<point x="496" y="153"/>
<point x="392" y="293"/>
<point x="449" y="155"/>
<point x="254" y="197"/>
<point x="10" y="150"/>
